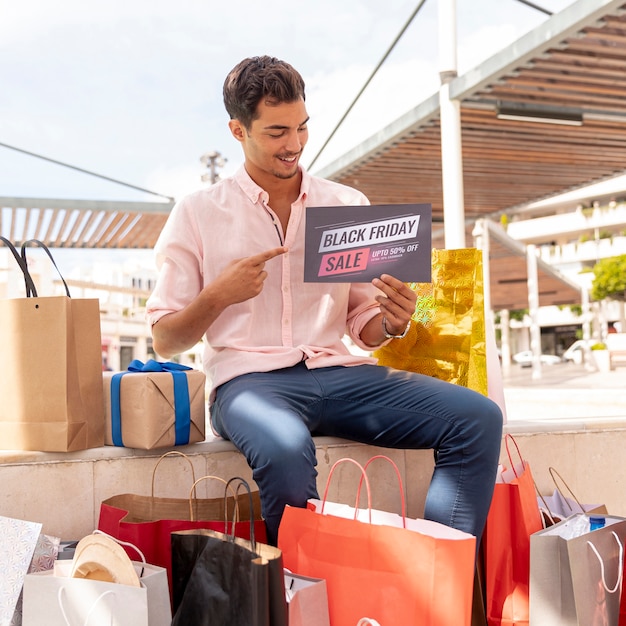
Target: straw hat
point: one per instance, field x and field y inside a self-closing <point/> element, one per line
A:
<point x="98" y="557"/>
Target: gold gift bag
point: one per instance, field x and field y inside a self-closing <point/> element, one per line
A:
<point x="447" y="335"/>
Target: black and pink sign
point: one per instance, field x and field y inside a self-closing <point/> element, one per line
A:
<point x="353" y="244"/>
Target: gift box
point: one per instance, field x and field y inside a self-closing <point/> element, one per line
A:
<point x="154" y="405"/>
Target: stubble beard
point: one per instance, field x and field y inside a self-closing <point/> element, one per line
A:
<point x="287" y="175"/>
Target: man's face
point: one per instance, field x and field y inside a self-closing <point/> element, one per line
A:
<point x="274" y="142"/>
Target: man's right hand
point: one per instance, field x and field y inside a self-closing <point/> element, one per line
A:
<point x="240" y="280"/>
<point x="243" y="279"/>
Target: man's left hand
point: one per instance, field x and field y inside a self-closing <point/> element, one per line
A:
<point x="397" y="303"/>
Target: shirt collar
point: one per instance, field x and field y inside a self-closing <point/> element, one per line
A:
<point x="258" y="194"/>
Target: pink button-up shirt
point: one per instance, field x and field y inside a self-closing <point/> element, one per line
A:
<point x="290" y="320"/>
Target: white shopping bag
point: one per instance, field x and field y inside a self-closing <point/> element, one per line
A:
<point x="307" y="599"/>
<point x="52" y="598"/>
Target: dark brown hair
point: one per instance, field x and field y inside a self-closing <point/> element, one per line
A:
<point x="258" y="78"/>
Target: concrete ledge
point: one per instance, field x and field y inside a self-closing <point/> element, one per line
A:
<point x="565" y="424"/>
<point x="63" y="491"/>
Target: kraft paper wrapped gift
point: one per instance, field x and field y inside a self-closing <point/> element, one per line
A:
<point x="154" y="405"/>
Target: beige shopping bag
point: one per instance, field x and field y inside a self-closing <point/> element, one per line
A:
<point x="51" y="384"/>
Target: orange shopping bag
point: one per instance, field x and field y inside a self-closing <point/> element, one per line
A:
<point x="385" y="566"/>
<point x="513" y="517"/>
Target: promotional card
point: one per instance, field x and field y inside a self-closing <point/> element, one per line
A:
<point x="353" y="244"/>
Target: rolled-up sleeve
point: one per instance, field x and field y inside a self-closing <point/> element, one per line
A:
<point x="178" y="259"/>
<point x="363" y="308"/>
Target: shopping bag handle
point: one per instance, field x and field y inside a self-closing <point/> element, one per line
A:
<point x="553" y="474"/>
<point x="173" y="453"/>
<point x="508" y="437"/>
<point x="92" y="608"/>
<point x="128" y="544"/>
<point x="28" y="281"/>
<point x="364" y="478"/>
<point x="193" y="498"/>
<point x="400" y="484"/>
<point x="43" y="246"/>
<point x="620" y="569"/>
<point x="241" y="483"/>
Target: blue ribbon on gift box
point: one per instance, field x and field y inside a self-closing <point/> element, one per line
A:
<point x="182" y="412"/>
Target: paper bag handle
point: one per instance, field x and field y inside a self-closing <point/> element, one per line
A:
<point x="28" y="281"/>
<point x="193" y="498"/>
<point x="95" y="603"/>
<point x="620" y="568"/>
<point x="553" y="474"/>
<point x="173" y="453"/>
<point x="508" y="437"/>
<point x="364" y="478"/>
<point x="400" y="484"/>
<point x="123" y="543"/>
<point x="241" y="482"/>
<point x="43" y="246"/>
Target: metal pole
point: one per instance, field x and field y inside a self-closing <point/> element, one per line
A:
<point x="586" y="307"/>
<point x="533" y="309"/>
<point x="450" y="123"/>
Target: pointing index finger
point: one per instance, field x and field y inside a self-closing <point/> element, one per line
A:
<point x="262" y="257"/>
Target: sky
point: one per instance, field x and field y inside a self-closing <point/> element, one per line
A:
<point x="131" y="89"/>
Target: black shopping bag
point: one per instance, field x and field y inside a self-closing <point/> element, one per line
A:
<point x="218" y="578"/>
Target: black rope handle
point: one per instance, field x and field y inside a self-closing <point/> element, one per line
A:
<point x="241" y="483"/>
<point x="43" y="246"/>
<point x="28" y="281"/>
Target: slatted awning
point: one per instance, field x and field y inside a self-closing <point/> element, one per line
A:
<point x="508" y="274"/>
<point x="574" y="62"/>
<point x="83" y="223"/>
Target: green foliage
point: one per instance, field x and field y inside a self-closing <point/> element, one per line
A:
<point x="610" y="278"/>
<point x="518" y="315"/>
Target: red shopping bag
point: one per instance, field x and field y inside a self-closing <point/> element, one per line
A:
<point x="513" y="517"/>
<point x="390" y="568"/>
<point x="148" y="521"/>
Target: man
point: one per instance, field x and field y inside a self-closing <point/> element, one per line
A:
<point x="231" y="261"/>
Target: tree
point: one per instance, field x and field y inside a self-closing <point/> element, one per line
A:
<point x="610" y="278"/>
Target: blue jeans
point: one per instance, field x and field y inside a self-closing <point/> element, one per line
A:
<point x="271" y="418"/>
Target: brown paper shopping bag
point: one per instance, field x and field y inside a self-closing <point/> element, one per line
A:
<point x="51" y="385"/>
<point x="148" y="521"/>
